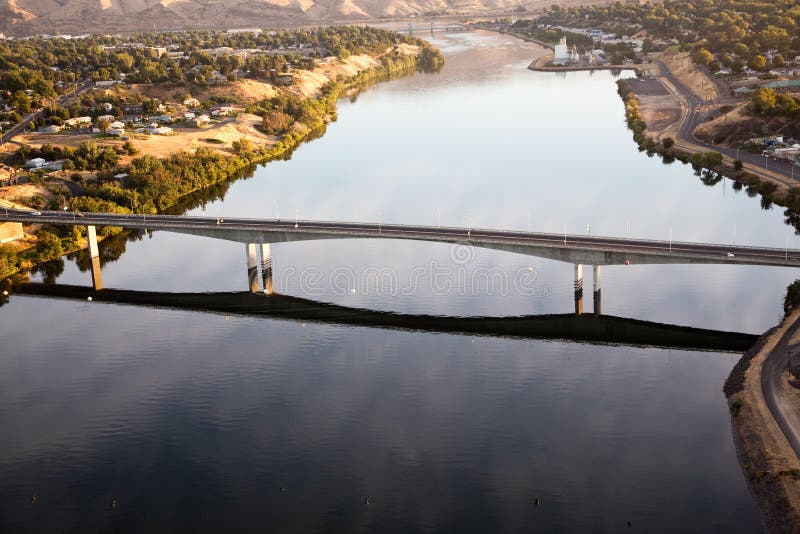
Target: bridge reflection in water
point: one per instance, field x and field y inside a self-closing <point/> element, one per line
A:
<point x="578" y="250"/>
<point x="585" y="328"/>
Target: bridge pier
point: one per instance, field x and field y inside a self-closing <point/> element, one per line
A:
<point x="266" y="268"/>
<point x="578" y="289"/>
<point x="94" y="254"/>
<point x="252" y="267"/>
<point x="596" y="283"/>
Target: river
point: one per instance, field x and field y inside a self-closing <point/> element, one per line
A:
<point x="209" y="422"/>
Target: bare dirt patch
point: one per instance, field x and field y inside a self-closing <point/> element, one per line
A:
<point x="22" y="195"/>
<point x="660" y="108"/>
<point x="183" y="138"/>
<point x="242" y="91"/>
<point x="682" y="66"/>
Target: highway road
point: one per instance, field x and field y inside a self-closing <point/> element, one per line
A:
<point x="696" y="116"/>
<point x="296" y="230"/>
<point x="772" y="376"/>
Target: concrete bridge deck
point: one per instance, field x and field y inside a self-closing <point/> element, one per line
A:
<point x="575" y="249"/>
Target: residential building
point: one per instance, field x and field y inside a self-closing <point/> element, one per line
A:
<point x="78" y="121"/>
<point x="201" y="121"/>
<point x="35" y="163"/>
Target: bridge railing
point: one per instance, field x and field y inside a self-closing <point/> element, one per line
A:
<point x="192" y="221"/>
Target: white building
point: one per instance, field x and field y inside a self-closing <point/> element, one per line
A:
<point x="49" y="129"/>
<point x="200" y="121"/>
<point x="78" y="121"/>
<point x="561" y="51"/>
<point x="35" y="163"/>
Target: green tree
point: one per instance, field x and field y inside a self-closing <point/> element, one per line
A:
<point x="242" y="146"/>
<point x="702" y="56"/>
<point x="21" y="102"/>
<point x="758" y="62"/>
<point x="48" y="245"/>
<point x="765" y="100"/>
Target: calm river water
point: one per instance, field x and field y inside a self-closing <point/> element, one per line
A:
<point x="206" y="422"/>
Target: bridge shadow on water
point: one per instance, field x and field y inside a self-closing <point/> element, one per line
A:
<point x="588" y="328"/>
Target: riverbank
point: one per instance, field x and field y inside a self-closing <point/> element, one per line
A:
<point x="155" y="183"/>
<point x="770" y="464"/>
<point x="710" y="164"/>
<point x="540" y="64"/>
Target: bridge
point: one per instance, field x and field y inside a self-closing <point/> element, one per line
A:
<point x="578" y="250"/>
<point x="433" y="27"/>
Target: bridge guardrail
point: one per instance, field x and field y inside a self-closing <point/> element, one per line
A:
<point x="209" y="222"/>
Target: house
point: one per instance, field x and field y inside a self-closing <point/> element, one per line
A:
<point x="49" y="129"/>
<point x="160" y="118"/>
<point x="35" y="163"/>
<point x="133" y="109"/>
<point x="117" y="125"/>
<point x="154" y="129"/>
<point x="78" y="121"/>
<point x="188" y="116"/>
<point x="191" y="103"/>
<point x="216" y="78"/>
<point x="10" y="231"/>
<point x="201" y="121"/>
<point x="107" y="106"/>
<point x="109" y="118"/>
<point x="106" y="83"/>
<point x="118" y="132"/>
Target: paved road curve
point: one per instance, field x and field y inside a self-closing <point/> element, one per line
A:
<point x="598" y="250"/>
<point x="695" y="117"/>
<point x="772" y="376"/>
